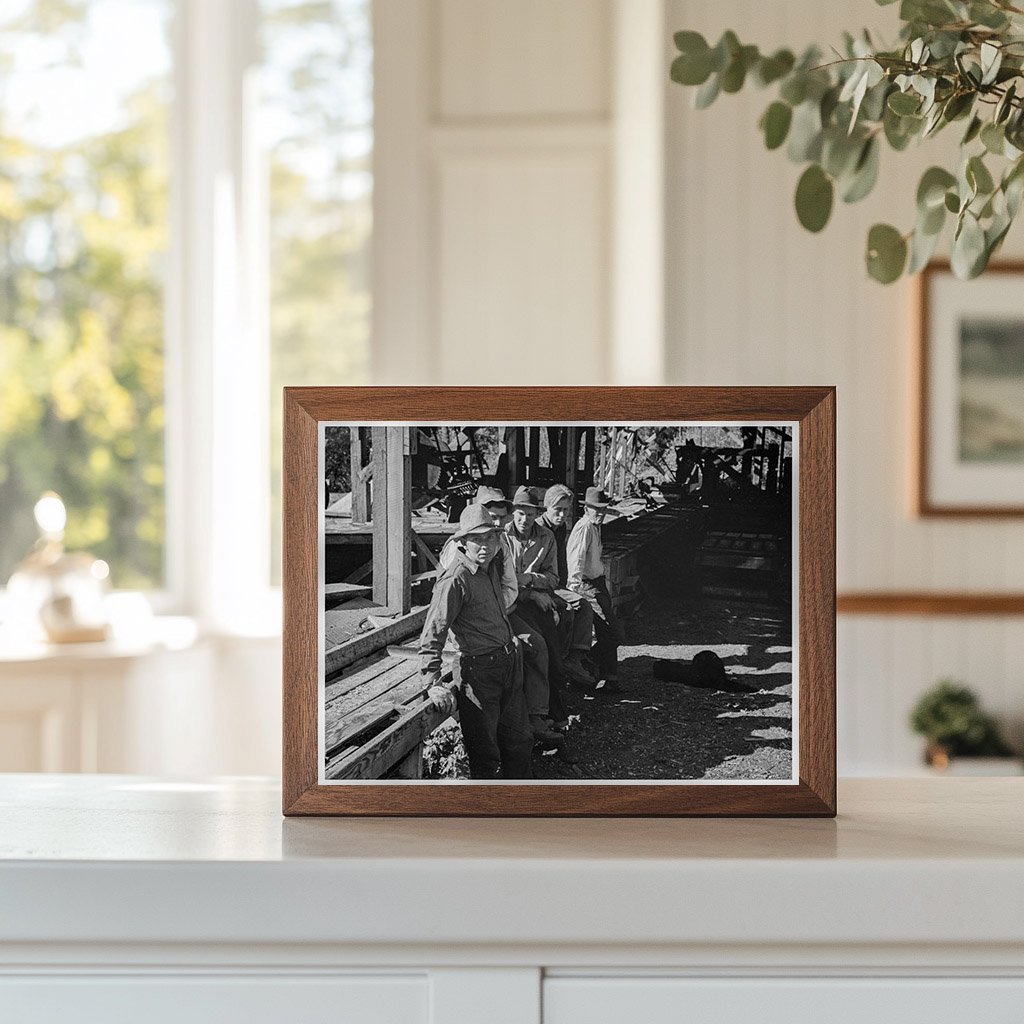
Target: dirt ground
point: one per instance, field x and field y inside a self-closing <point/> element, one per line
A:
<point x="668" y="730"/>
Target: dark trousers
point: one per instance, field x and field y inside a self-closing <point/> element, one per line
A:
<point x="543" y="623"/>
<point x="607" y="626"/>
<point x="492" y="713"/>
<point x="535" y="664"/>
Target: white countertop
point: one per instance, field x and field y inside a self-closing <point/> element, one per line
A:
<point x="124" y="859"/>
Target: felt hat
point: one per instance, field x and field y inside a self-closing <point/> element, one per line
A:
<point x="474" y="519"/>
<point x="527" y="497"/>
<point x="490" y="496"/>
<point x="596" y="498"/>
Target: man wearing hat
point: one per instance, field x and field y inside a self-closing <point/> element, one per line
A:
<point x="535" y="560"/>
<point x="586" y="576"/>
<point x="468" y="601"/>
<point x="575" y="619"/>
<point x="532" y="643"/>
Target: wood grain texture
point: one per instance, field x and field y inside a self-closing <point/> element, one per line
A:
<point x="925" y="603"/>
<point x="812" y="407"/>
<point x="923" y="504"/>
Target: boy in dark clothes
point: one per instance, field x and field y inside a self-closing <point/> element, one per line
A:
<point x="468" y="600"/>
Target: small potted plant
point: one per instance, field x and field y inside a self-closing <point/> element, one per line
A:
<point x="950" y="718"/>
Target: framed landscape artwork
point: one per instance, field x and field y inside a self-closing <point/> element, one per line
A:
<point x="970" y="446"/>
<point x="559" y="601"/>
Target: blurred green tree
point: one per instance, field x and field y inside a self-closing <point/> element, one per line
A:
<point x="82" y="233"/>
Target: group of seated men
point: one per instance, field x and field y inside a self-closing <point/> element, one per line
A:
<point x="524" y="597"/>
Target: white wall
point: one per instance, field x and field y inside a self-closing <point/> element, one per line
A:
<point x="754" y="299"/>
<point x="524" y="138"/>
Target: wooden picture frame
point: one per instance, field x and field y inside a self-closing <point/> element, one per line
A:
<point x="953" y="477"/>
<point x="811" y="410"/>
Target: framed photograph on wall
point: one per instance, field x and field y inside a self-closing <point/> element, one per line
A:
<point x="559" y="601"/>
<point x="970" y="444"/>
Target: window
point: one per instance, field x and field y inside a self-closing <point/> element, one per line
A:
<point x="317" y="121"/>
<point x="83" y="238"/>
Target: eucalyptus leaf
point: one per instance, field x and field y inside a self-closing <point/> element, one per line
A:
<point x="978" y="176"/>
<point x="973" y="130"/>
<point x="707" y="93"/>
<point x="725" y="49"/>
<point x="771" y="69"/>
<point x="904" y="103"/>
<point x="805" y="133"/>
<point x="931" y="190"/>
<point x="886" y="253"/>
<point x="814" y="195"/>
<point x="922" y="248"/>
<point x="794" y="88"/>
<point x="865" y="173"/>
<point x="952" y="202"/>
<point x="968" y="247"/>
<point x="991" y="61"/>
<point x="775" y="124"/>
<point x="993" y="138"/>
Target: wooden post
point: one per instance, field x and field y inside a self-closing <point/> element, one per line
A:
<point x="572" y="457"/>
<point x="514" y="438"/>
<point x="590" y="433"/>
<point x="360" y="486"/>
<point x="392" y="519"/>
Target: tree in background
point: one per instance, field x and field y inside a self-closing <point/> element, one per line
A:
<point x="82" y="231"/>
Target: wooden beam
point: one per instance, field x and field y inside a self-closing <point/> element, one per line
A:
<point x="572" y="457"/>
<point x="424" y="552"/>
<point x="929" y="603"/>
<point x="590" y="433"/>
<point x="392" y="518"/>
<point x="360" y="482"/>
<point x="376" y="640"/>
<point x="514" y="444"/>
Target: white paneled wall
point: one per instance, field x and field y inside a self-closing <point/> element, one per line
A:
<point x="539" y="192"/>
<point x="754" y="299"/>
<point x="505" y="140"/>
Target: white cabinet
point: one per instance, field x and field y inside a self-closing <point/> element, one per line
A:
<point x="202" y="999"/>
<point x="133" y="898"/>
<point x="823" y="1000"/>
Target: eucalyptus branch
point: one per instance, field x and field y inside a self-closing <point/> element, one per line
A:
<point x="833" y="117"/>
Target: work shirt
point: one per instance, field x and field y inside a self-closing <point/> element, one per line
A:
<point x="504" y="559"/>
<point x="583" y="552"/>
<point x="466" y="600"/>
<point x="534" y="557"/>
<point x="561" y="535"/>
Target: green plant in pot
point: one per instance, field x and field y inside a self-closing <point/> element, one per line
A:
<point x="956" y="62"/>
<point x="950" y="718"/>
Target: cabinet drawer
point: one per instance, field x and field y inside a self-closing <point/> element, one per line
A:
<point x="661" y="1000"/>
<point x="202" y="999"/>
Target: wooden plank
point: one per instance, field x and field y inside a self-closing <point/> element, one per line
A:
<point x="365" y="689"/>
<point x="364" y="673"/>
<point x="376" y="640"/>
<point x="360" y="574"/>
<point x="360" y="482"/>
<point x="346" y="590"/>
<point x="392" y="516"/>
<point x="411" y="766"/>
<point x="375" y="758"/>
<point x="425" y="552"/>
<point x="351" y="729"/>
<point x="929" y="603"/>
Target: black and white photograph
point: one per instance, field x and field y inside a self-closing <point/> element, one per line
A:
<point x="558" y="603"/>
